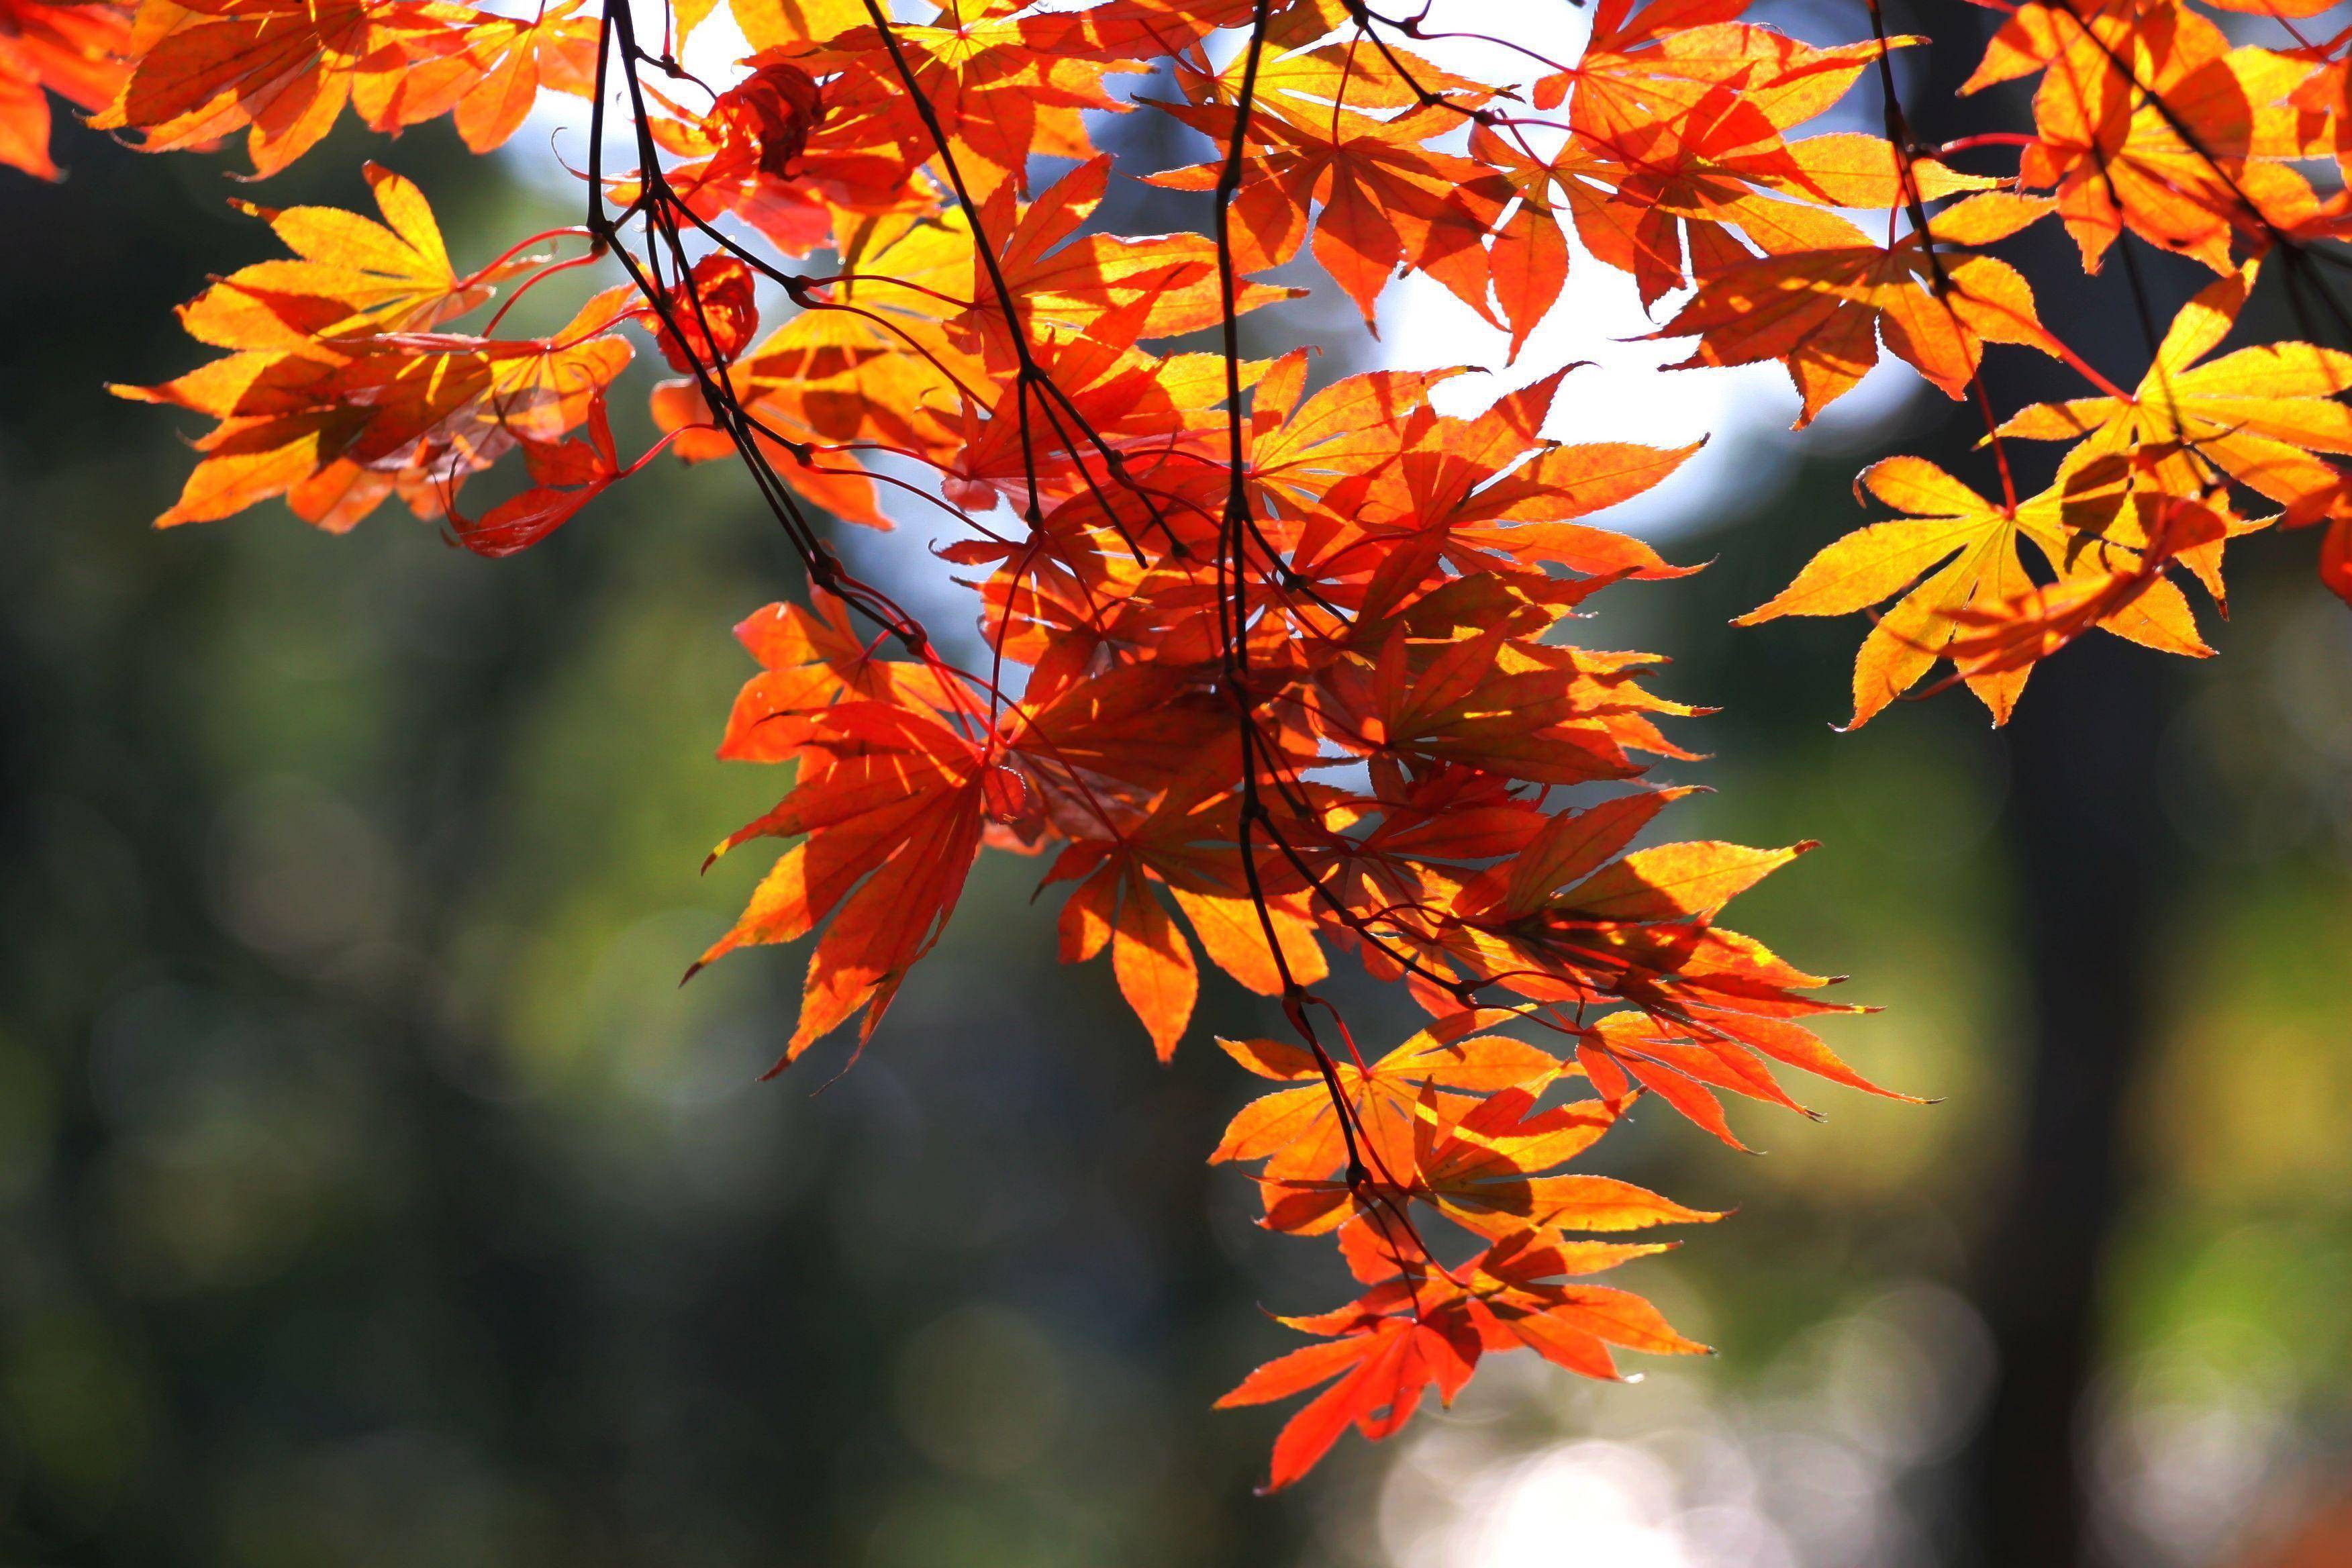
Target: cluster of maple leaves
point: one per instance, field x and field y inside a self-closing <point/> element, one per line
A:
<point x="1273" y="670"/>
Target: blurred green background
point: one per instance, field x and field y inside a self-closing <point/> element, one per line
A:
<point x="371" y="1195"/>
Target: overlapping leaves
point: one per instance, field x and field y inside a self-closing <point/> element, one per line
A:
<point x="1273" y="673"/>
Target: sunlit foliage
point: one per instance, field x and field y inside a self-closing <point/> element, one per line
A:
<point x="1274" y="672"/>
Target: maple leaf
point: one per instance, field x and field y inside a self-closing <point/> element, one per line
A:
<point x="1490" y="702"/>
<point x="488" y="76"/>
<point x="887" y="808"/>
<point x="1113" y="407"/>
<point x="1497" y="496"/>
<point x="1113" y="725"/>
<point x="2257" y="415"/>
<point x="1001" y="85"/>
<point x="1482" y="1168"/>
<point x="1299" y="445"/>
<point x="75" y="51"/>
<point x="280" y="69"/>
<point x="1480" y="1164"/>
<point x="2132" y="597"/>
<point x="1384" y="1364"/>
<point x="1419" y="1326"/>
<point x="772" y="24"/>
<point x="1644" y="195"/>
<point x="346" y="421"/>
<point x="1385" y="199"/>
<point x="2147" y="119"/>
<point x="350" y="276"/>
<point x="1712" y="1004"/>
<point x="1522" y="1294"/>
<point x="1064" y="279"/>
<point x="1821" y="310"/>
<point x="1297" y="1132"/>
<point x="1150" y="959"/>
<point x="1526" y="263"/>
<point x="1980" y="548"/>
<point x="810" y="659"/>
<point x="823" y="378"/>
<point x="565" y="477"/>
<point x="1646" y="64"/>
